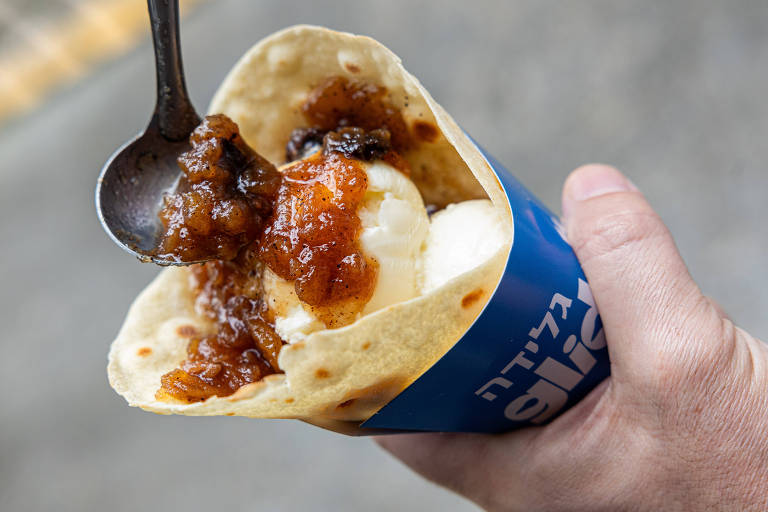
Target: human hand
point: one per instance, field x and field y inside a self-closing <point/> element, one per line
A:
<point x="681" y="423"/>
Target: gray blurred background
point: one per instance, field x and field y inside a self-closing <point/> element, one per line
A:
<point x="672" y="93"/>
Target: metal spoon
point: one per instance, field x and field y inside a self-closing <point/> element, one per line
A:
<point x="130" y="189"/>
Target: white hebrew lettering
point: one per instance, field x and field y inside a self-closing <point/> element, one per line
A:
<point x="519" y="360"/>
<point x="557" y="373"/>
<point x="562" y="301"/>
<point x="583" y="360"/>
<point x="588" y="336"/>
<point x="499" y="381"/>
<point x="531" y="347"/>
<point x="549" y="321"/>
<point x="547" y="399"/>
<point x="554" y="396"/>
<point x="570" y="343"/>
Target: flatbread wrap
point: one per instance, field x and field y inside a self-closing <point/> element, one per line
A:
<point x="431" y="274"/>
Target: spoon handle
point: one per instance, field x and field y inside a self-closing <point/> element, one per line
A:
<point x="174" y="113"/>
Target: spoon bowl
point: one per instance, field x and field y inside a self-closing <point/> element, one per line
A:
<point x="131" y="186"/>
<point x="130" y="190"/>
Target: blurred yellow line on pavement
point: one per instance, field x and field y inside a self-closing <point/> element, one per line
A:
<point x="60" y="52"/>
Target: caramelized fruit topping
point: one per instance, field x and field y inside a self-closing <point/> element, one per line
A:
<point x="224" y="195"/>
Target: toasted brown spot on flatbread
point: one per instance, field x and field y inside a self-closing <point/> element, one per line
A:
<point x="364" y="398"/>
<point x="322" y="373"/>
<point x="425" y="131"/>
<point x="297" y="346"/>
<point x="289" y="400"/>
<point x="366" y="345"/>
<point x="186" y="331"/>
<point x="471" y="298"/>
<point x="352" y="68"/>
<point x="144" y="351"/>
<point x="230" y="414"/>
<point x="346" y="403"/>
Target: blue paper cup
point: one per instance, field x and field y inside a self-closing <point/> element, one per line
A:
<point x="536" y="349"/>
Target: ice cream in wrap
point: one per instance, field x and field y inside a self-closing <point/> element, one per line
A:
<point x="435" y="272"/>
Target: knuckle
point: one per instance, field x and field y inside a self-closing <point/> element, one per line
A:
<point x="620" y="231"/>
<point x="702" y="343"/>
<point x="694" y="355"/>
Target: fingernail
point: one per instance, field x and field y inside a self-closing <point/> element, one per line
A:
<point x="591" y="181"/>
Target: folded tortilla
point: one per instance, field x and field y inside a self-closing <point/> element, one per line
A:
<point x="335" y="374"/>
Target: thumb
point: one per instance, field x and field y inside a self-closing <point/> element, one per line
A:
<point x="641" y="286"/>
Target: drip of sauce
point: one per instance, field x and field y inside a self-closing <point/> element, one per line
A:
<point x="312" y="237"/>
<point x="244" y="347"/>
